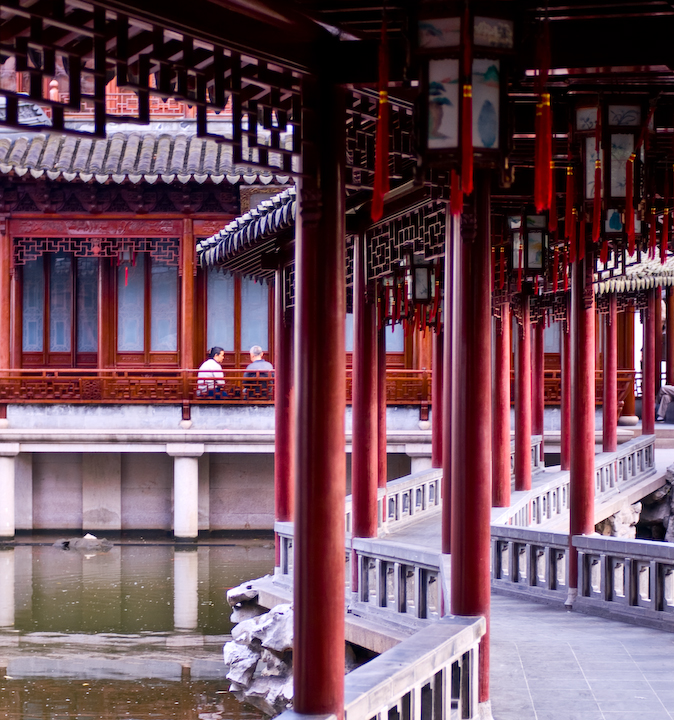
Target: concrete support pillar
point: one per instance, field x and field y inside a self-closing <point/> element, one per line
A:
<point x="101" y="492"/>
<point x="501" y="409"/>
<point x="452" y="289"/>
<point x="436" y="397"/>
<point x="365" y="437"/>
<point x="648" y="376"/>
<point x="284" y="409"/>
<point x="204" y="493"/>
<point x="382" y="466"/>
<point x="523" y="400"/>
<point x="185" y="489"/>
<point x="669" y="335"/>
<point x="582" y="410"/>
<point x="565" y="435"/>
<point x="471" y="431"/>
<point x="8" y="453"/>
<point x="320" y="381"/>
<point x="538" y="383"/>
<point x="7" y="599"/>
<point x="23" y="491"/>
<point x="5" y="294"/>
<point x="185" y="588"/>
<point x="610" y="389"/>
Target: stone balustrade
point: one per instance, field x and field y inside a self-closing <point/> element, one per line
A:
<point x="629" y="580"/>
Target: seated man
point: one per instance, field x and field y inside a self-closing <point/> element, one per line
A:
<point x="211" y="378"/>
<point x="258" y="368"/>
<point x="665" y="396"/>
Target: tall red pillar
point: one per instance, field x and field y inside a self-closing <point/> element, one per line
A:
<point x="538" y="383"/>
<point x="669" y="335"/>
<point x="5" y="294"/>
<point x="381" y="409"/>
<point x="523" y="400"/>
<point x="436" y="399"/>
<point x="501" y="409"/>
<point x="648" y="376"/>
<point x="471" y="431"/>
<point x="610" y="399"/>
<point x="365" y="425"/>
<point x="320" y="381"/>
<point x="582" y="410"/>
<point x="565" y="409"/>
<point x="657" y="351"/>
<point x="452" y="290"/>
<point x="187" y="299"/>
<point x="284" y="408"/>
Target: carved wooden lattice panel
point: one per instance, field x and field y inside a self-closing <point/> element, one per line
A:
<point x="163" y="250"/>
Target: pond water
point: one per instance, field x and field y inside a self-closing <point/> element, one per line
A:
<point x="135" y="632"/>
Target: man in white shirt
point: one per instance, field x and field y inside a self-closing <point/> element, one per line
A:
<point x="211" y="378"/>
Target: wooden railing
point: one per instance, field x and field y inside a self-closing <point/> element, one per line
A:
<point x="145" y="386"/>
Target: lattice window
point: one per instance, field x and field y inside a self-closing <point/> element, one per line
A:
<point x="164" y="250"/>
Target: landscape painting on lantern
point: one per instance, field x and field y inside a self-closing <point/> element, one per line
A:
<point x="622" y="145"/>
<point x="440" y="32"/>
<point x="486" y="91"/>
<point x="443" y="103"/>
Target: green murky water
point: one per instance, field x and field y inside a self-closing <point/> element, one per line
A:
<point x="136" y="632"/>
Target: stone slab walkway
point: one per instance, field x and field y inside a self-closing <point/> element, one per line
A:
<point x="550" y="664"/>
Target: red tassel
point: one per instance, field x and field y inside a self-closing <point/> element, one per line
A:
<point x="664" y="238"/>
<point x="581" y="238"/>
<point x="381" y="179"/>
<point x="520" y="255"/>
<point x="555" y="269"/>
<point x="603" y="254"/>
<point x="456" y="197"/>
<point x="566" y="273"/>
<point x="536" y="285"/>
<point x="568" y="212"/>
<point x="652" y="239"/>
<point x="553" y="221"/>
<point x="596" y="213"/>
<point x="399" y="292"/>
<point x="572" y="237"/>
<point x="543" y="155"/>
<point x="629" y="203"/>
<point x="126" y="275"/>
<point x="467" y="139"/>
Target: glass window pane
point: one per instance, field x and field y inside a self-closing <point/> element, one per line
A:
<point x="87" y="304"/>
<point x="33" y="305"/>
<point x="254" y="312"/>
<point x="395" y="338"/>
<point x="131" y="306"/>
<point x="60" y="302"/>
<point x="220" y="310"/>
<point x="552" y="338"/>
<point x="164" y="304"/>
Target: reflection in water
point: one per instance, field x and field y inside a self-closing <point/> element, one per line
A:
<point x="134" y="632"/>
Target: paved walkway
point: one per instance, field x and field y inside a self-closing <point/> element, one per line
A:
<point x="550" y="664"/>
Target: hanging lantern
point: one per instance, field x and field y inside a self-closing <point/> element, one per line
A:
<point x="462" y="57"/>
<point x="529" y="244"/>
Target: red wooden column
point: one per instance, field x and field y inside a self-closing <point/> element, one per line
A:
<point x="471" y="433"/>
<point x="565" y="410"/>
<point x="657" y="350"/>
<point x="436" y="399"/>
<point x="582" y="411"/>
<point x="500" y="433"/>
<point x="648" y="376"/>
<point x="284" y="408"/>
<point x="452" y="290"/>
<point x="5" y="294"/>
<point x="538" y="383"/>
<point x="523" y="400"/>
<point x="626" y="362"/>
<point x="320" y="381"/>
<point x="610" y="399"/>
<point x="365" y="422"/>
<point x="188" y="266"/>
<point x="381" y="409"/>
<point x="669" y="335"/>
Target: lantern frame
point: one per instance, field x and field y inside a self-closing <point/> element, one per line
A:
<point x="529" y="230"/>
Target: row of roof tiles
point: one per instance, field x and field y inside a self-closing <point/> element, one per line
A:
<point x="134" y="156"/>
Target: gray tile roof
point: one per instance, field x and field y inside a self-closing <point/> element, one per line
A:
<point x="132" y="156"/>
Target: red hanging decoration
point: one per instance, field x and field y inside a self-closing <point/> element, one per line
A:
<point x="555" y="269"/>
<point x="503" y="268"/>
<point x="652" y="238"/>
<point x="553" y="220"/>
<point x="566" y="273"/>
<point x="543" y="155"/>
<point x="603" y="253"/>
<point x="126" y="275"/>
<point x="596" y="214"/>
<point x="629" y="203"/>
<point x="520" y="256"/>
<point x="381" y="178"/>
<point x="536" y="285"/>
<point x="568" y="210"/>
<point x="456" y="197"/>
<point x="493" y="269"/>
<point x="581" y="238"/>
<point x="572" y="236"/>
<point x="467" y="106"/>
<point x="664" y="238"/>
